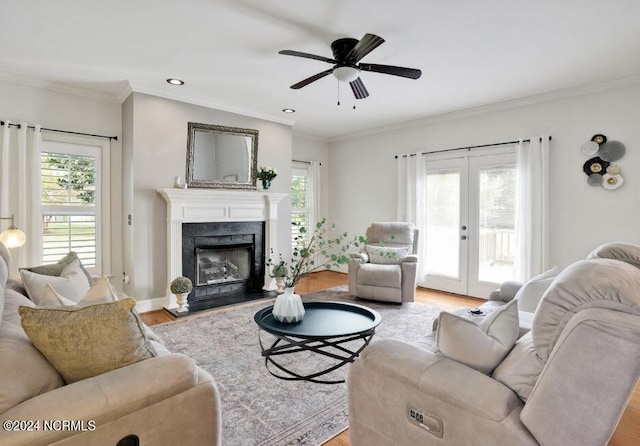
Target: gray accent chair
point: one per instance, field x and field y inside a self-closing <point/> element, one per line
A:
<point x="386" y="279"/>
<point x="566" y="382"/>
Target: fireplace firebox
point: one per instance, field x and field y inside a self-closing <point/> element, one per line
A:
<point x="225" y="262"/>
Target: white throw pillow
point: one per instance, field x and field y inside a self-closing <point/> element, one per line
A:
<point x="100" y="292"/>
<point x="386" y="255"/>
<point x="481" y="345"/>
<point x="72" y="283"/>
<point x="530" y="294"/>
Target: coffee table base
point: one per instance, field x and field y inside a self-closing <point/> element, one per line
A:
<point x="287" y="344"/>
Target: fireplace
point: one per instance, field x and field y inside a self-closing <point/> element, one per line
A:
<point x="225" y="262"/>
<point x="203" y="226"/>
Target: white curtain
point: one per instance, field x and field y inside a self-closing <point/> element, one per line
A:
<point x="532" y="212"/>
<point x="411" y="201"/>
<point x="315" y="187"/>
<point x="20" y="188"/>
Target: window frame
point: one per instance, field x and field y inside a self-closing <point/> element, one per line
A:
<point x="101" y="149"/>
<point x="309" y="210"/>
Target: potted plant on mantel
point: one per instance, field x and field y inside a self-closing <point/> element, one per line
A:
<point x="312" y="252"/>
<point x="181" y="286"/>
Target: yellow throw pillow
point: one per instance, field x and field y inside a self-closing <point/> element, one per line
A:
<point x="88" y="341"/>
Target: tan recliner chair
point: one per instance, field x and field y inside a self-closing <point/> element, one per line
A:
<point x="387" y="270"/>
<point x="566" y="382"/>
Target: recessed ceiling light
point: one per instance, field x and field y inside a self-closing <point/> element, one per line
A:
<point x="288" y="110"/>
<point x="173" y="81"/>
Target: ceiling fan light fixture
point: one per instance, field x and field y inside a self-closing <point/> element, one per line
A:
<point x="346" y="74"/>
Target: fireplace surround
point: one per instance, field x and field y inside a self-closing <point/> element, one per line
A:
<point x="217" y="221"/>
<point x="225" y="262"/>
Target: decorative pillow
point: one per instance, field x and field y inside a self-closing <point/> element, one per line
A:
<point x="530" y="294"/>
<point x="82" y="342"/>
<point x="55" y="269"/>
<point x="72" y="283"/>
<point x="386" y="255"/>
<point x="482" y="345"/>
<point x="100" y="292"/>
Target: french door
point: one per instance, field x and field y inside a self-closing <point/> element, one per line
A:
<point x="470" y="221"/>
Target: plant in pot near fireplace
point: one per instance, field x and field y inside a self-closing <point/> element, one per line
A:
<point x="279" y="272"/>
<point x="313" y="251"/>
<point x="181" y="287"/>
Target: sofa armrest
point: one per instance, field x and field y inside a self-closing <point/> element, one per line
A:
<point x="360" y="257"/>
<point x="507" y="291"/>
<point x="391" y="377"/>
<point x="438" y="376"/>
<point x="108" y="397"/>
<point x="411" y="258"/>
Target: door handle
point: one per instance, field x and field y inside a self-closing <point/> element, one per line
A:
<point x="464" y="228"/>
<point x="464" y="237"/>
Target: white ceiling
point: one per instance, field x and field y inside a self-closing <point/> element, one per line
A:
<point x="471" y="52"/>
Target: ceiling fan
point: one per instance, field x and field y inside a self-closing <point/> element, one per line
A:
<point x="347" y="53"/>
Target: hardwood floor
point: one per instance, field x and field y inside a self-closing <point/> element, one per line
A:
<point x="627" y="433"/>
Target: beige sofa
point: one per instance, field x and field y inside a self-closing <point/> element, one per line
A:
<point x="165" y="400"/>
<point x="566" y="382"/>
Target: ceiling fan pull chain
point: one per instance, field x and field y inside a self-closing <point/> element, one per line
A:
<point x="338" y="92"/>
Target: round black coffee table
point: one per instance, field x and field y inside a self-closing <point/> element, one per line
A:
<point x="324" y="330"/>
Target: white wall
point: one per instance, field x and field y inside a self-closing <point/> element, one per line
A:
<point x="158" y="152"/>
<point x="362" y="177"/>
<point x="63" y="111"/>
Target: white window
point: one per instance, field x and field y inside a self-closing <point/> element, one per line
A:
<point x="74" y="200"/>
<point x="301" y="210"/>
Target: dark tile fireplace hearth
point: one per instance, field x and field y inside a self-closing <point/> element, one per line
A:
<point x="225" y="262"/>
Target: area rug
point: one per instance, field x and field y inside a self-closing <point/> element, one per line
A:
<point x="259" y="409"/>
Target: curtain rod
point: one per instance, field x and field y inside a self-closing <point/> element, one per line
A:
<point x="62" y="131"/>
<point x="303" y="162"/>
<point x="470" y="147"/>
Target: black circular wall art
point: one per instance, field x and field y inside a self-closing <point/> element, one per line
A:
<point x="601" y="169"/>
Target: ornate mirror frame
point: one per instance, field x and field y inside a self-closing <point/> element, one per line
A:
<point x="231" y="143"/>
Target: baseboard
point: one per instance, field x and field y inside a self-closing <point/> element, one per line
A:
<point x="156" y="303"/>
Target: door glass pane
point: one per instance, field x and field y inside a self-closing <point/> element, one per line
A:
<point x="443" y="223"/>
<point x="497" y="224"/>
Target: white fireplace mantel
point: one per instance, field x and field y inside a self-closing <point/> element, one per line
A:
<point x="217" y="205"/>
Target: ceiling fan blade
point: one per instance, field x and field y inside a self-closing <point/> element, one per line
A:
<point x="358" y="88"/>
<point x="367" y="44"/>
<point x="306" y="55"/>
<point x="411" y="73"/>
<point x="313" y="78"/>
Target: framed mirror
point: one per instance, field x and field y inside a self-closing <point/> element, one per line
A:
<point x="221" y="157"/>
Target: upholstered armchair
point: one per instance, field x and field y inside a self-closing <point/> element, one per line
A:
<point x="566" y="382"/>
<point x="387" y="269"/>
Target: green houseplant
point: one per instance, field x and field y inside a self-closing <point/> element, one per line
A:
<point x="181" y="285"/>
<point x="266" y="174"/>
<point x="319" y="249"/>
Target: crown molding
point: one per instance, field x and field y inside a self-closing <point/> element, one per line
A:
<point x="128" y="88"/>
<point x="309" y="137"/>
<point x="59" y="87"/>
<point x="549" y="96"/>
<point x="153" y="91"/>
